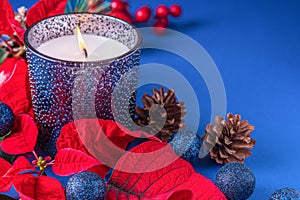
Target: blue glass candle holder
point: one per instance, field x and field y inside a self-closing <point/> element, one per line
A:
<point x="66" y="90"/>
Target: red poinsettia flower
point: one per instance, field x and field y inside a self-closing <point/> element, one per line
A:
<point x="28" y="186"/>
<point x="45" y="8"/>
<point x="15" y="90"/>
<point x="92" y="144"/>
<point x="8" y="24"/>
<point x="139" y="173"/>
<point x="23" y="137"/>
<point x="137" y="176"/>
<point x="8" y="171"/>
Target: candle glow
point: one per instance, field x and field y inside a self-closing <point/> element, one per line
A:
<point x="81" y="42"/>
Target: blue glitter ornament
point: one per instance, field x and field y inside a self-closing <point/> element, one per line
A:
<point x="285" y="194"/>
<point x="85" y="185"/>
<point x="236" y="181"/>
<point x="186" y="144"/>
<point x="6" y="119"/>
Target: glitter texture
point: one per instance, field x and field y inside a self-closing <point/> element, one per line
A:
<point x="186" y="144"/>
<point x="63" y="91"/>
<point x="6" y="119"/>
<point x="236" y="181"/>
<point x="85" y="185"/>
<point x="285" y="194"/>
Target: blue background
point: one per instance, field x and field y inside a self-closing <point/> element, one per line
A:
<point x="256" y="46"/>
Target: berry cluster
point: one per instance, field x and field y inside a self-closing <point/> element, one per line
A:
<point x="162" y="12"/>
<point x="119" y="9"/>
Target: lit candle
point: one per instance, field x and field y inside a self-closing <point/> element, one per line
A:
<point x="66" y="84"/>
<point x="98" y="48"/>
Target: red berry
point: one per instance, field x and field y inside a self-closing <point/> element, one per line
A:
<point x="118" y="5"/>
<point x="160" y="25"/>
<point x="162" y="11"/>
<point x="143" y="14"/>
<point x="175" y="10"/>
<point x="164" y="21"/>
<point x="122" y="15"/>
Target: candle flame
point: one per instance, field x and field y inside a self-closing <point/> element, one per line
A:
<point x="81" y="42"/>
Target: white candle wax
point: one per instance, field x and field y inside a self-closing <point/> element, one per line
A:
<point x="98" y="48"/>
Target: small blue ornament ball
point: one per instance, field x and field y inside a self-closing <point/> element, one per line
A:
<point x="186" y="144"/>
<point x="6" y="119"/>
<point x="236" y="181"/>
<point x="85" y="185"/>
<point x="285" y="194"/>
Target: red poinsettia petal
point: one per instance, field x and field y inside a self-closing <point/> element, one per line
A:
<point x="23" y="140"/>
<point x="45" y="8"/>
<point x="108" y="144"/>
<point x="69" y="138"/>
<point x="71" y="161"/>
<point x="102" y="139"/>
<point x="5" y="166"/>
<point x="181" y="194"/>
<point x="7" y="18"/>
<point x="21" y="164"/>
<point x="101" y="170"/>
<point x="15" y="91"/>
<point x="30" y="187"/>
<point x="5" y="184"/>
<point x="153" y="181"/>
<point x="202" y="188"/>
<point x="18" y="30"/>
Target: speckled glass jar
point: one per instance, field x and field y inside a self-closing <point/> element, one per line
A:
<point x="61" y="90"/>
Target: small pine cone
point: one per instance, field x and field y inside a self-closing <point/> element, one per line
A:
<point x="162" y="114"/>
<point x="229" y="141"/>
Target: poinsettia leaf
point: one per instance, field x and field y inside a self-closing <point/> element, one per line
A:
<point x="5" y="197"/>
<point x="153" y="171"/>
<point x="2" y="138"/>
<point x="69" y="138"/>
<point x="5" y="182"/>
<point x="70" y="161"/>
<point x="3" y="55"/>
<point x="7" y="18"/>
<point x="16" y="91"/>
<point x="43" y="9"/>
<point x="21" y="164"/>
<point x="103" y="139"/>
<point x="5" y="166"/>
<point x="181" y="194"/>
<point x="30" y="187"/>
<point x="101" y="170"/>
<point x="23" y="140"/>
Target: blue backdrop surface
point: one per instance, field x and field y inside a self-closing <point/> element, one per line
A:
<point x="256" y="46"/>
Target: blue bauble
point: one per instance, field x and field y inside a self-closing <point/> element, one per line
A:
<point x="186" y="144"/>
<point x="6" y="119"/>
<point x="85" y="185"/>
<point x="236" y="181"/>
<point x="285" y="194"/>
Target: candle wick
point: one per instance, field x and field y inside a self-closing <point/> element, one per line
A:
<point x="85" y="52"/>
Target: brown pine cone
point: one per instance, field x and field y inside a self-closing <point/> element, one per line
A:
<point x="229" y="140"/>
<point x="162" y="114"/>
